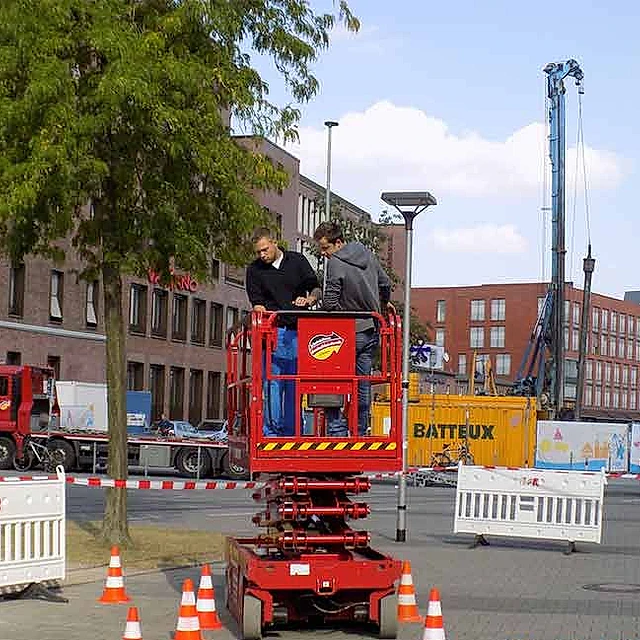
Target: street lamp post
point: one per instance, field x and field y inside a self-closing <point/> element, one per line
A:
<point x="409" y="204"/>
<point x="329" y="124"/>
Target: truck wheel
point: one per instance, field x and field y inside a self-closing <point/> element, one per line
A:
<point x="251" y="618"/>
<point x="187" y="462"/>
<point x="233" y="471"/>
<point x="388" y="613"/>
<point x="63" y="454"/>
<point x="7" y="452"/>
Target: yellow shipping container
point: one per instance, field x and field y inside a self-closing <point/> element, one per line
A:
<point x="499" y="430"/>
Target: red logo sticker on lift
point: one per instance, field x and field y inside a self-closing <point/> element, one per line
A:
<point x="4" y="405"/>
<point x="323" y="346"/>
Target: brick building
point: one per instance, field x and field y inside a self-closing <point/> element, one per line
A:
<point x="175" y="335"/>
<point x="496" y="321"/>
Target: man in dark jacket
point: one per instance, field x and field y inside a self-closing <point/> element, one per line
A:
<point x="355" y="281"/>
<point x="280" y="280"/>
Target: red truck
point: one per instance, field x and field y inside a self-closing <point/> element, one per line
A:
<point x="27" y="438"/>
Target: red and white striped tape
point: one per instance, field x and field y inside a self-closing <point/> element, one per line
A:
<point x="170" y="485"/>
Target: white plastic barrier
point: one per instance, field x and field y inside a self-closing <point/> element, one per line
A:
<point x="530" y="503"/>
<point x="32" y="530"/>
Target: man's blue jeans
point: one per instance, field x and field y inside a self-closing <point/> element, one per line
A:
<point x="279" y="395"/>
<point x="366" y="344"/>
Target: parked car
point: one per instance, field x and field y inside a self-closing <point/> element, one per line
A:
<point x="214" y="429"/>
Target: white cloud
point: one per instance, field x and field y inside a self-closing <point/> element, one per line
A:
<point x="393" y="147"/>
<point x="485" y="238"/>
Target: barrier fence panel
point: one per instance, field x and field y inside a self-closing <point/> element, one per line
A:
<point x="32" y="530"/>
<point x="530" y="503"/>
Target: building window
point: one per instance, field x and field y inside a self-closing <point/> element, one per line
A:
<point x="621" y="348"/>
<point x="576" y="313"/>
<point x="605" y="320"/>
<point x="598" y="370"/>
<point x="215" y="270"/>
<point x="565" y="334"/>
<point x="16" y="290"/>
<point x="616" y="374"/>
<point x="575" y="340"/>
<point x="216" y="329"/>
<point x="498" y="310"/>
<point x="503" y="364"/>
<point x="603" y="345"/>
<point x="595" y="319"/>
<point x="233" y="316"/>
<point x="176" y="393"/>
<point x="606" y="400"/>
<point x="588" y="395"/>
<point x="156" y="386"/>
<point x="195" y="396"/>
<point x="440" y="337"/>
<point x="137" y="308"/>
<point x="614" y="322"/>
<point x="630" y="349"/>
<point x="638" y="351"/>
<point x="56" y="296"/>
<point x="632" y="399"/>
<point x="565" y="312"/>
<point x="53" y="362"/>
<point x="630" y="325"/>
<point x="623" y="323"/>
<point x="441" y="310"/>
<point x="179" y="318"/>
<point x="214" y="385"/>
<point x="638" y="328"/>
<point x="476" y="337"/>
<point x="14" y="358"/>
<point x="588" y="369"/>
<point x="595" y="339"/>
<point x="477" y="311"/>
<point x="540" y="304"/>
<point x="497" y="337"/>
<point x="462" y="364"/>
<point x="91" y="313"/>
<point x="612" y="346"/>
<point x="159" y="313"/>
<point x="607" y="372"/>
<point x="135" y="376"/>
<point x="481" y="361"/>
<point x="597" y="396"/>
<point x="616" y="399"/>
<point x="625" y="375"/>
<point x="198" y="321"/>
<point x="234" y="275"/>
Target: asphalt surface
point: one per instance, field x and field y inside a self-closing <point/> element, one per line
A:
<point x="510" y="590"/>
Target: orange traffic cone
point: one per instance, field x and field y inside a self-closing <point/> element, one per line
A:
<point x="188" y="624"/>
<point x="114" y="592"/>
<point x="206" y="604"/>
<point x="132" y="631"/>
<point x="433" y="627"/>
<point x="407" y="606"/>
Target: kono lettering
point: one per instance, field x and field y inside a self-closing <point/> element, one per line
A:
<point x="453" y="431"/>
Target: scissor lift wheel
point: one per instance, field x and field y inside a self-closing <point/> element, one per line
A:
<point x="388" y="627"/>
<point x="252" y="618"/>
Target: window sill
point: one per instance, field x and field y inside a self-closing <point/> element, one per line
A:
<point x="137" y="332"/>
<point x="197" y="343"/>
<point x="159" y="336"/>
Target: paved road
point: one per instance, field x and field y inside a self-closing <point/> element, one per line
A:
<point x="511" y="590"/>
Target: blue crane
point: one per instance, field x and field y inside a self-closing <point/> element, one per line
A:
<point x="541" y="371"/>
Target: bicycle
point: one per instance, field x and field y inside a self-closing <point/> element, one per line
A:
<point x="451" y="456"/>
<point x="36" y="454"/>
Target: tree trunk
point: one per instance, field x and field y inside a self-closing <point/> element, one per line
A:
<point x="115" y="528"/>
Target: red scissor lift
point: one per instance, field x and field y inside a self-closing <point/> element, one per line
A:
<point x="309" y="567"/>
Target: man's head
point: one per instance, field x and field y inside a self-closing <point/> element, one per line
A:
<point x="329" y="238"/>
<point x="265" y="245"/>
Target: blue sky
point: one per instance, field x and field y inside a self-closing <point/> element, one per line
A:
<point x="449" y="97"/>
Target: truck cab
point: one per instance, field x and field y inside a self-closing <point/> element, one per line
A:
<point x="25" y="406"/>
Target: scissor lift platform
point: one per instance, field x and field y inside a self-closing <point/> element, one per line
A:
<point x="309" y="566"/>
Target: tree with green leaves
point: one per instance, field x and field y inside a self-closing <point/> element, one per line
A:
<point x="114" y="133"/>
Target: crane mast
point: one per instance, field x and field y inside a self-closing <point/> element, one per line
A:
<point x="556" y="74"/>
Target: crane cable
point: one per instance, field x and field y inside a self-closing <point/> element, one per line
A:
<point x="544" y="207"/>
<point x="580" y="160"/>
